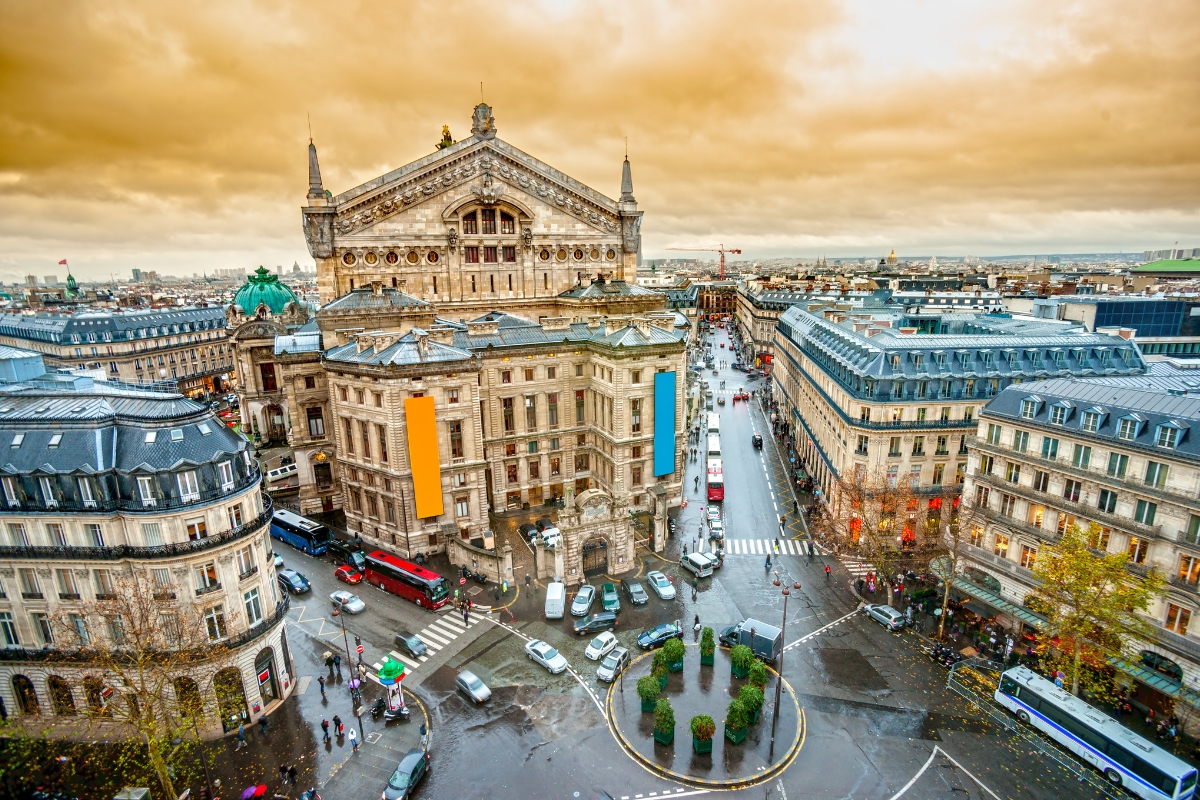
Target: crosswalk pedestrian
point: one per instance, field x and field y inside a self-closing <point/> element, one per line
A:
<point x="758" y="547"/>
<point x="438" y="634"/>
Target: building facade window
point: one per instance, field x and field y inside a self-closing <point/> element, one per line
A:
<point x="1000" y="546"/>
<point x="214" y="622"/>
<point x="1178" y="618"/>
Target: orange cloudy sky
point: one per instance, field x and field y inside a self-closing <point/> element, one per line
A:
<point x="172" y="136"/>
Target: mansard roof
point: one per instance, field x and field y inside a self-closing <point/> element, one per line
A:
<point x="607" y="290"/>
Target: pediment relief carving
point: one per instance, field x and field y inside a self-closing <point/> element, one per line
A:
<point x="440" y="178"/>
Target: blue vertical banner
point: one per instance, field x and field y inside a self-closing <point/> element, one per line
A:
<point x="664" y="423"/>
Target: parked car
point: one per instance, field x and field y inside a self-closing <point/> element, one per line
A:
<point x="528" y="531"/>
<point x="697" y="564"/>
<point x="278" y="560"/>
<point x="716" y="530"/>
<point x="712" y="512"/>
<point x="601" y="646"/>
<point x="411" y="643"/>
<point x="612" y="665"/>
<point x="582" y="603"/>
<point x="609" y="600"/>
<point x="711" y="558"/>
<point x="545" y="523"/>
<point x="409" y="772"/>
<point x="658" y="635"/>
<point x="634" y="591"/>
<point x="292" y="581"/>
<point x="547" y="656"/>
<point x="469" y="684"/>
<point x="661" y="585"/>
<point x="886" y="616"/>
<point x="349" y="602"/>
<point x="348" y="574"/>
<point x="596" y="622"/>
<point x="756" y="440"/>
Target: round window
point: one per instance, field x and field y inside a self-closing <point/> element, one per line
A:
<point x="562" y="254"/>
<point x="578" y="254"/>
<point x="391" y="258"/>
<point x="348" y="258"/>
<point x="370" y="258"/>
<point x="432" y="257"/>
<point x="545" y="255"/>
<point x="595" y="253"/>
<point x="611" y="254"/>
<point x="413" y="257"/>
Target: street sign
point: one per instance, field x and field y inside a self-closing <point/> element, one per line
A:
<point x="359" y="648"/>
<point x="462" y="581"/>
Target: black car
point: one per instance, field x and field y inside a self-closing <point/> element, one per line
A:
<point x="658" y="635"/>
<point x="634" y="591"/>
<point x="408" y="774"/>
<point x="544" y="523"/>
<point x="728" y="636"/>
<point x="601" y="621"/>
<point x="292" y="581"/>
<point x="528" y="532"/>
<point x="756" y="440"/>
<point x="410" y="643"/>
<point x="349" y="553"/>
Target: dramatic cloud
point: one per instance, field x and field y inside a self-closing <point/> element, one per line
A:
<point x="172" y="136"/>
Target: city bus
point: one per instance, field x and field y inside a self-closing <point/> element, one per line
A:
<point x="716" y="480"/>
<point x="424" y="587"/>
<point x="302" y="534"/>
<point x="714" y="424"/>
<point x="1126" y="759"/>
<point x="714" y="446"/>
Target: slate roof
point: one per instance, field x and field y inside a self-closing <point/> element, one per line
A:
<point x="366" y="299"/>
<point x="49" y="327"/>
<point x="298" y="343"/>
<point x="413" y="348"/>
<point x="606" y="290"/>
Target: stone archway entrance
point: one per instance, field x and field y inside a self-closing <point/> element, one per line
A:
<point x="264" y="667"/>
<point x="231" y="698"/>
<point x="595" y="557"/>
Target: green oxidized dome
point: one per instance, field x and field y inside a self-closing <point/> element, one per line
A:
<point x="264" y="287"/>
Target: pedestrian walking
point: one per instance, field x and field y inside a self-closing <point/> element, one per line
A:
<point x="325" y="730"/>
<point x="283" y="773"/>
<point x="337" y="725"/>
<point x="827" y="571"/>
<point x="291" y="774"/>
<point x="353" y="740"/>
<point x="424" y="737"/>
<point x="329" y="661"/>
<point x="362" y="672"/>
<point x="263" y="725"/>
<point x="321" y="681"/>
<point x="241" y="737"/>
<point x="466" y="616"/>
<point x="337" y="663"/>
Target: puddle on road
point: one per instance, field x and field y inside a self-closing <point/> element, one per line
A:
<point x="847" y="668"/>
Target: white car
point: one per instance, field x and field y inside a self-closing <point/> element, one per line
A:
<point x="713" y="513"/>
<point x="661" y="585"/>
<point x="345" y="600"/>
<point x="886" y="616"/>
<point x="601" y="646"/>
<point x="551" y="538"/>
<point x="716" y="529"/>
<point x="278" y="561"/>
<point x="547" y="656"/>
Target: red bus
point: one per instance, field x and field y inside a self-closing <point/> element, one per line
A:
<point x="424" y="587"/>
<point x="716" y="480"/>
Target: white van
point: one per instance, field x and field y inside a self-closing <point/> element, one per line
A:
<point x="551" y="538"/>
<point x="697" y="564"/>
<point x="556" y="600"/>
<point x="280" y="473"/>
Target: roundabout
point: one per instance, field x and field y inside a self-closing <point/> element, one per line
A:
<point x="707" y="690"/>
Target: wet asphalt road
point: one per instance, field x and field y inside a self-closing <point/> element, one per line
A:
<point x="878" y="714"/>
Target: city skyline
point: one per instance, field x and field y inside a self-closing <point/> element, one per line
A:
<point x="822" y="127"/>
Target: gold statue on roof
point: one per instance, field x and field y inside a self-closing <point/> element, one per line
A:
<point x="447" y="140"/>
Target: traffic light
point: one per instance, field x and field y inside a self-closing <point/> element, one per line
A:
<point x="357" y="641"/>
<point x="204" y="793"/>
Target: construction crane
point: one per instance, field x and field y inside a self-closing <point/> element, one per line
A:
<point x="718" y="249"/>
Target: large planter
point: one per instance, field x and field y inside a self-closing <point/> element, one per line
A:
<point x="676" y="666"/>
<point x="701" y="745"/>
<point x="735" y="735"/>
<point x="662" y="684"/>
<point x="708" y="660"/>
<point x="738" y="673"/>
<point x="648" y="706"/>
<point x="663" y="737"/>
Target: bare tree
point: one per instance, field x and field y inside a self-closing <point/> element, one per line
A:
<point x="890" y="523"/>
<point x="142" y="658"/>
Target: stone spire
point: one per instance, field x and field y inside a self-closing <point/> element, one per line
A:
<point x="315" y="189"/>
<point x="627" y="182"/>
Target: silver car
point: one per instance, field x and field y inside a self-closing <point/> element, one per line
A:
<point x="661" y="585"/>
<point x="469" y="684"/>
<point x="583" y="600"/>
<point x="886" y="616"/>
<point x="347" y="601"/>
<point x="612" y="665"/>
<point x="547" y="656"/>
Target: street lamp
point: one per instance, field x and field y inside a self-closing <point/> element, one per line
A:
<point x="779" y="680"/>
<point x="337" y="612"/>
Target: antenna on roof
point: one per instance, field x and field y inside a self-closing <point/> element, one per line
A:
<point x="309" y="114"/>
<point x="481" y="91"/>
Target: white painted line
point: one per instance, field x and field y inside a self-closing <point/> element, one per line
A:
<point x="820" y="630"/>
<point x="758" y="547"/>
<point x="402" y="659"/>
<point x="432" y="645"/>
<point x="427" y="634"/>
<point x="937" y="749"/>
<point x="448" y="631"/>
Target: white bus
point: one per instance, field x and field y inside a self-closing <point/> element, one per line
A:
<point x="1125" y="758"/>
<point x="714" y="424"/>
<point x="714" y="446"/>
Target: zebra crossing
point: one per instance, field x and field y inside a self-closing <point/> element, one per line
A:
<point x="436" y="635"/>
<point x="760" y="547"/>
<point x="856" y="568"/>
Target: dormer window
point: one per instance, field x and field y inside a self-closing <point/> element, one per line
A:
<point x="151" y="436"/>
<point x="177" y="434"/>
<point x="55" y="440"/>
<point x="1127" y="429"/>
<point x="1168" y="435"/>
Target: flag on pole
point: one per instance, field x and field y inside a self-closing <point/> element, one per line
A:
<point x="63" y="262"/>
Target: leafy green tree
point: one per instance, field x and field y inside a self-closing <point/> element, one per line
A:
<point x="1095" y="602"/>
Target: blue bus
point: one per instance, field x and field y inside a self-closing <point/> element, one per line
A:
<point x="302" y="534"/>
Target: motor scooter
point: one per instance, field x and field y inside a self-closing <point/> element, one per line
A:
<point x="393" y="714"/>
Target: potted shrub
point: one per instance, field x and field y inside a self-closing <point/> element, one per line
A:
<point x="740" y="659"/>
<point x="673" y="651"/>
<point x="648" y="688"/>
<point x="664" y="722"/>
<point x="708" y="647"/>
<point x="703" y="729"/>
<point x="736" y="721"/>
<point x="658" y="668"/>
<point x="752" y="700"/>
<point x="758" y="674"/>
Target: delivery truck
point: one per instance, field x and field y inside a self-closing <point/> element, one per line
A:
<point x="765" y="640"/>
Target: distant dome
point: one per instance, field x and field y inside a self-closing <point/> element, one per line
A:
<point x="264" y="288"/>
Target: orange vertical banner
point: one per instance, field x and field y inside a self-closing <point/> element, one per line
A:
<point x="421" y="424"/>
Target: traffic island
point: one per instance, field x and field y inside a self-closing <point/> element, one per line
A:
<point x="704" y="690"/>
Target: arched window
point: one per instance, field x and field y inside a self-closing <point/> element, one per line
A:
<point x="61" y="698"/>
<point x="187" y="696"/>
<point x="27" y="700"/>
<point x="96" y="693"/>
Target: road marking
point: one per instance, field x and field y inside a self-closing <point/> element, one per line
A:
<point x="302" y="684"/>
<point x="402" y="659"/>
<point x="937" y="749"/>
<point x="820" y="630"/>
<point x="441" y="639"/>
